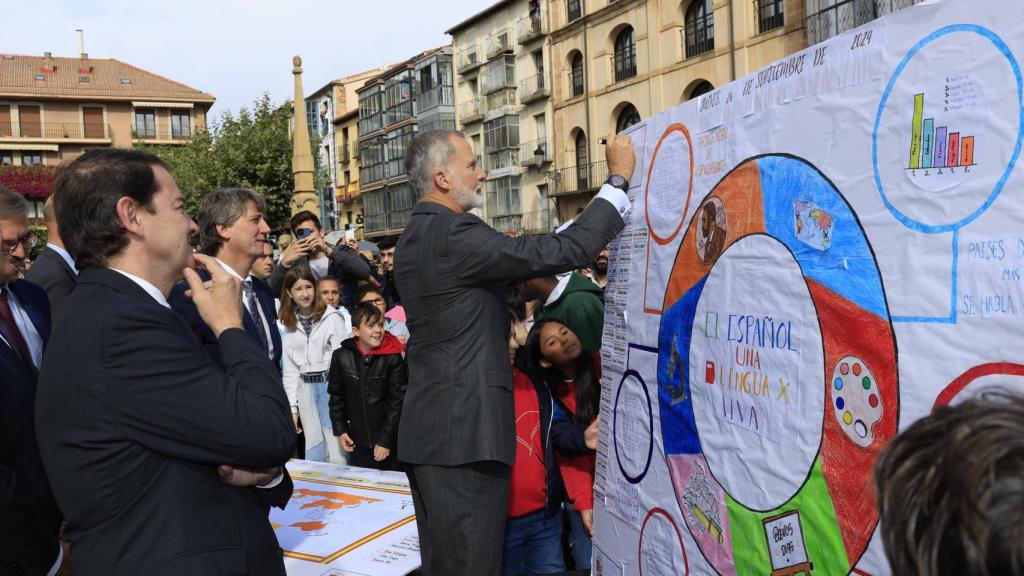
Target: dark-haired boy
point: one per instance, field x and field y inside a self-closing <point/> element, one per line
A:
<point x="367" y="384"/>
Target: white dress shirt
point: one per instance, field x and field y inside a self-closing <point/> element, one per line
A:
<point x="64" y="254"/>
<point x="259" y="309"/>
<point x="28" y="330"/>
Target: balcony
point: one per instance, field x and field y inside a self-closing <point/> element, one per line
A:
<point x="163" y="133"/>
<point x="528" y="153"/>
<point x="533" y="88"/>
<point x="54" y="131"/>
<point x="499" y="100"/>
<point x="501" y="159"/>
<point x="471" y="111"/>
<point x="498" y="43"/>
<point x="838" y="18"/>
<point x="531" y="27"/>
<point x="370" y="124"/>
<point x="578" y="179"/>
<point x="345" y="155"/>
<point x="436" y="96"/>
<point x="625" y="64"/>
<point x="469" y="59"/>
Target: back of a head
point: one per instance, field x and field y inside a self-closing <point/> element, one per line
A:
<point x="427" y="153"/>
<point x="89" y="188"/>
<point x="951" y="491"/>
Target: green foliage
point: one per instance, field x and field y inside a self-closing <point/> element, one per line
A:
<point x="251" y="150"/>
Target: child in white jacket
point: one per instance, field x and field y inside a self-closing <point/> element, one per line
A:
<point x="312" y="331"/>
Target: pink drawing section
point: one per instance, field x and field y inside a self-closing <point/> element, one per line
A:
<point x="702" y="502"/>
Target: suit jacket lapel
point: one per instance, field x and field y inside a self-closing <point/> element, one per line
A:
<point x="31" y="308"/>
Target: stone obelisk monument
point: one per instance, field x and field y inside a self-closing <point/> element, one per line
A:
<point x="304" y="196"/>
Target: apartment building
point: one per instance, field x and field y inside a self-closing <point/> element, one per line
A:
<point x="503" y="91"/>
<point x="393" y="107"/>
<point x="347" y="198"/>
<point x="54" y="108"/>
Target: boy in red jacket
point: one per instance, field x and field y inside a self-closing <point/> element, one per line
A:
<point x="367" y="384"/>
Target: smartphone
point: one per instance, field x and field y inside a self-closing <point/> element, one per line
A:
<point x="303" y="233"/>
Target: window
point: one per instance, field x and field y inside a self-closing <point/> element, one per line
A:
<point x="625" y="54"/>
<point x="581" y="161"/>
<point x="31" y="158"/>
<point x="398" y="100"/>
<point x="575" y="9"/>
<point x="500" y="73"/>
<point x="577" y="74"/>
<point x="828" y="18"/>
<point x="145" y="123"/>
<point x="769" y="15"/>
<point x="181" y="125"/>
<point x="6" y="158"/>
<point x="395" y="144"/>
<point x="701" y="89"/>
<point x="370" y="109"/>
<point x="504" y="204"/>
<point x="501" y="142"/>
<point x="700" y="28"/>
<point x="627" y="118"/>
<point x="312" y="118"/>
<point x="371" y="168"/>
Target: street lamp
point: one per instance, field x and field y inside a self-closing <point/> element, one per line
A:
<point x="538" y="155"/>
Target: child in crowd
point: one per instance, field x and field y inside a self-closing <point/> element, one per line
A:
<point x="554" y="353"/>
<point x="368" y="377"/>
<point x="398" y="328"/>
<point x="312" y="331"/>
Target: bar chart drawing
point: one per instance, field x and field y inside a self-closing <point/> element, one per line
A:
<point x="935" y="149"/>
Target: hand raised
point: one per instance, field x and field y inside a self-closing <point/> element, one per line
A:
<point x="620" y="155"/>
<point x="218" y="301"/>
<point x="297" y="249"/>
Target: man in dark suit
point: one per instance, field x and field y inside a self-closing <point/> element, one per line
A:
<point x="53" y="269"/>
<point x="29" y="518"/>
<point x="457" y="435"/>
<point x="163" y="462"/>
<point x="233" y="229"/>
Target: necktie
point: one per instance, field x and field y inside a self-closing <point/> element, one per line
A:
<point x="254" y="311"/>
<point x="9" y="329"/>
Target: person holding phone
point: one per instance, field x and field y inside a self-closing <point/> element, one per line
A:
<point x="310" y="248"/>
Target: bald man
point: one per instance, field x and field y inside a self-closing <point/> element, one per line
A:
<point x="54" y="269"/>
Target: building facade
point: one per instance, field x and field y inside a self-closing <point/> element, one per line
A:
<point x="53" y="109"/>
<point x="392" y="109"/>
<point x="503" y="91"/>
<point x="347" y="196"/>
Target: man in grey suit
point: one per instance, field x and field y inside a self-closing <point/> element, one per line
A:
<point x="457" y="434"/>
<point x="53" y="269"/>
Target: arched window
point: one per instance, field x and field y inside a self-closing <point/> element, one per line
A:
<point x="701" y="89"/>
<point x="582" y="164"/>
<point x="577" y="74"/>
<point x="625" y="54"/>
<point x="627" y="118"/>
<point x="700" y="28"/>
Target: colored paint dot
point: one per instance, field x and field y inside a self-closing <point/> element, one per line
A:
<point x="840" y="403"/>
<point x="856" y="369"/>
<point x="861" y="429"/>
<point x="873" y="401"/>
<point x="844" y="368"/>
<point x="839" y="383"/>
<point x="848" y="418"/>
<point x="866" y="382"/>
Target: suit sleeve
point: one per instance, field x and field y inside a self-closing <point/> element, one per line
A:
<point x="336" y="393"/>
<point x="184" y="405"/>
<point x="481" y="254"/>
<point x="567" y="438"/>
<point x="350" y="262"/>
<point x="184" y="306"/>
<point x="398" y="379"/>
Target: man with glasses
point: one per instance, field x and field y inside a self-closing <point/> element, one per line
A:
<point x="29" y="518"/>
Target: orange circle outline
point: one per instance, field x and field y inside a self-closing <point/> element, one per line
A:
<point x="647" y="185"/>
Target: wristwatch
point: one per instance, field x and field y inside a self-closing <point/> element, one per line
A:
<point x="618" y="181"/>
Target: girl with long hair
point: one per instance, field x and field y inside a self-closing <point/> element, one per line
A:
<point x="312" y="332"/>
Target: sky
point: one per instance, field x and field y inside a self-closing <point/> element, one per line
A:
<point x="234" y="49"/>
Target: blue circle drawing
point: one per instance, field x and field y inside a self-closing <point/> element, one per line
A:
<point x="650" y="427"/>
<point x="1005" y="51"/>
<point x="840" y="403"/>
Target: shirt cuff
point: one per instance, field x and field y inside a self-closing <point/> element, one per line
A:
<point x="617" y="198"/>
<point x="57" y="563"/>
<point x="273" y="483"/>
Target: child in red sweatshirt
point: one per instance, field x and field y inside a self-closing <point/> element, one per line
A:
<point x="367" y="384"/>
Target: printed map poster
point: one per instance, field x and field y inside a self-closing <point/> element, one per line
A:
<point x="818" y="254"/>
<point x="346" y="521"/>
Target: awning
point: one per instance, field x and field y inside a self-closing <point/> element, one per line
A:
<point x="186" y="105"/>
<point x="31" y="147"/>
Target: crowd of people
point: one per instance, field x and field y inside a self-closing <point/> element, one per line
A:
<point x="152" y="389"/>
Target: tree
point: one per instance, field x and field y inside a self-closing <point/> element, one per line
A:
<point x="252" y="150"/>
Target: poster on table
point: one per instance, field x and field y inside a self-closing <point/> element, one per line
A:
<point x="818" y="254"/>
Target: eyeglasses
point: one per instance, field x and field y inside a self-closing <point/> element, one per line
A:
<point x="29" y="240"/>
<point x="374" y="301"/>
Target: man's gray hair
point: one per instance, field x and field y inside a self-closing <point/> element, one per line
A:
<point x="427" y="153"/>
<point x="223" y="207"/>
<point x="12" y="204"/>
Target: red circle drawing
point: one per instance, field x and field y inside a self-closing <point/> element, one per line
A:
<point x="679" y="537"/>
<point x="960" y="382"/>
<point x="647" y="187"/>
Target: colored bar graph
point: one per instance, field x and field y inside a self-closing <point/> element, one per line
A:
<point x="940" y="147"/>
<point x="953" y="154"/>
<point x="915" y="136"/>
<point x="927" y="146"/>
<point x="967" y="151"/>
